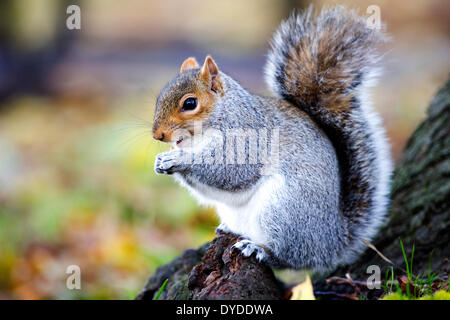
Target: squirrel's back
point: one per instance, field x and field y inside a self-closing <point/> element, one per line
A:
<point x="324" y="66"/>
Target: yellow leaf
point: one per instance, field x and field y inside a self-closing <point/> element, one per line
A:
<point x="303" y="291"/>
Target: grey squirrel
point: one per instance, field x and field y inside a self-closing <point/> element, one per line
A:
<point x="328" y="189"/>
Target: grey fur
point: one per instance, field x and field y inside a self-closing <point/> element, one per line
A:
<point x="296" y="211"/>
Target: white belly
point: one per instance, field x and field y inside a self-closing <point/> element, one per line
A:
<point x="240" y="212"/>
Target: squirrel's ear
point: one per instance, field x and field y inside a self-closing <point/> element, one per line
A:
<point x="189" y="63"/>
<point x="210" y="75"/>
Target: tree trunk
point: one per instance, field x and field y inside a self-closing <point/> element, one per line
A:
<point x="419" y="215"/>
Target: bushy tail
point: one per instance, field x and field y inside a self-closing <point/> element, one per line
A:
<point x="324" y="65"/>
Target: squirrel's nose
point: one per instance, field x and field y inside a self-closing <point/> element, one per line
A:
<point x="158" y="136"/>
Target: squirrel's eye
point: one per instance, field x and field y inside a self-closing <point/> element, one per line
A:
<point x="189" y="104"/>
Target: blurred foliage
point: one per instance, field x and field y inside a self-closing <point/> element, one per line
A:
<point x="82" y="191"/>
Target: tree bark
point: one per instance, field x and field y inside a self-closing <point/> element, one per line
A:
<point x="419" y="215"/>
<point x="214" y="271"/>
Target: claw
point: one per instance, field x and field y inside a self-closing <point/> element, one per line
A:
<point x="248" y="247"/>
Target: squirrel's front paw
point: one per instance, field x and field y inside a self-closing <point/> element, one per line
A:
<point x="248" y="247"/>
<point x="170" y="162"/>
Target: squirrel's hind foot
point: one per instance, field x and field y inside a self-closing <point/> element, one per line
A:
<point x="248" y="247"/>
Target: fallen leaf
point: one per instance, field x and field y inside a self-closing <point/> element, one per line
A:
<point x="303" y="291"/>
<point x="407" y="286"/>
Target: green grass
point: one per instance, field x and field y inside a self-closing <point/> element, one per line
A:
<point x="161" y="289"/>
<point x="421" y="285"/>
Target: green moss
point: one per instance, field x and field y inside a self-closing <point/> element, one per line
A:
<point x="439" y="295"/>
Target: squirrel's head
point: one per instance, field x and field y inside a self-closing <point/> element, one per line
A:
<point x="188" y="98"/>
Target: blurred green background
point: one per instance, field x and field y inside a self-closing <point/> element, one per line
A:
<point x="76" y="156"/>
